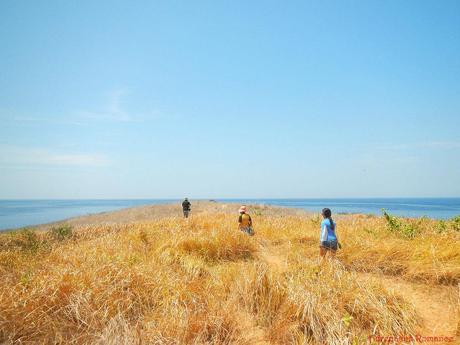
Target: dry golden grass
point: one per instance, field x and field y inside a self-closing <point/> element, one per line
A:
<point x="200" y="281"/>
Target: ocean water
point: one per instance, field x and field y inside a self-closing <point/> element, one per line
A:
<point x="21" y="213"/>
<point x="437" y="208"/>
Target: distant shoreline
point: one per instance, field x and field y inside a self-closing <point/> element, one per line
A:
<point x="42" y="213"/>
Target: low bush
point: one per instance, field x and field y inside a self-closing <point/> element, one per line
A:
<point x="399" y="226"/>
<point x="62" y="232"/>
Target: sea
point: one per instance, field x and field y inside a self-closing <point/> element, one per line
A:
<point x="23" y="213"/>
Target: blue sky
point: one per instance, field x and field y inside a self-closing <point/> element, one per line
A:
<point x="209" y="99"/>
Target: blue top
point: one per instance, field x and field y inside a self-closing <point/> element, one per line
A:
<point x="327" y="234"/>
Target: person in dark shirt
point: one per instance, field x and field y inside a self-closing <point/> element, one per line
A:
<point x="186" y="207"/>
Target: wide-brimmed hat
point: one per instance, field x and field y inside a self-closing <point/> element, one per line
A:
<point x="243" y="209"/>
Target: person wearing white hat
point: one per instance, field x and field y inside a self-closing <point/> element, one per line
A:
<point x="245" y="221"/>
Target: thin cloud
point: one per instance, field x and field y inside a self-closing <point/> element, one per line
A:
<point x="113" y="111"/>
<point x="25" y="156"/>
<point x="10" y="115"/>
<point x="442" y="145"/>
<point x="52" y="120"/>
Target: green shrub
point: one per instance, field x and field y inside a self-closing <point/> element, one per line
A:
<point x="26" y="240"/>
<point x="441" y="227"/>
<point x="452" y="224"/>
<point x="398" y="226"/>
<point x="62" y="232"/>
<point x="455" y="223"/>
<point x="393" y="223"/>
<point x="409" y="230"/>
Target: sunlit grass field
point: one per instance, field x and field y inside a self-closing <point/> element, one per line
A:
<point x="201" y="281"/>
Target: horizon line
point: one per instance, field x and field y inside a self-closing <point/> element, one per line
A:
<point x="232" y="198"/>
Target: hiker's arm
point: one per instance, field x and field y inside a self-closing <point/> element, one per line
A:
<point x="250" y="220"/>
<point x="323" y="234"/>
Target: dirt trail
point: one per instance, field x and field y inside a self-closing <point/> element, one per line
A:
<point x="437" y="306"/>
<point x="256" y="334"/>
<point x="273" y="257"/>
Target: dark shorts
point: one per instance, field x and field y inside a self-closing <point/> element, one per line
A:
<point x="329" y="245"/>
<point x="248" y="230"/>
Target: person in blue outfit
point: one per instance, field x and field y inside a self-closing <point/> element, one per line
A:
<point x="328" y="238"/>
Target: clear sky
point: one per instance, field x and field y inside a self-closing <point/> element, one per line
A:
<point x="215" y="99"/>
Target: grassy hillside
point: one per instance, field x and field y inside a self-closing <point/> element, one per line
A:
<point x="197" y="281"/>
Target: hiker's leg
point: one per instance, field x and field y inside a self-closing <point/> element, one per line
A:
<point x="249" y="231"/>
<point x="333" y="249"/>
<point x="322" y="256"/>
<point x="322" y="252"/>
<point x="245" y="230"/>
